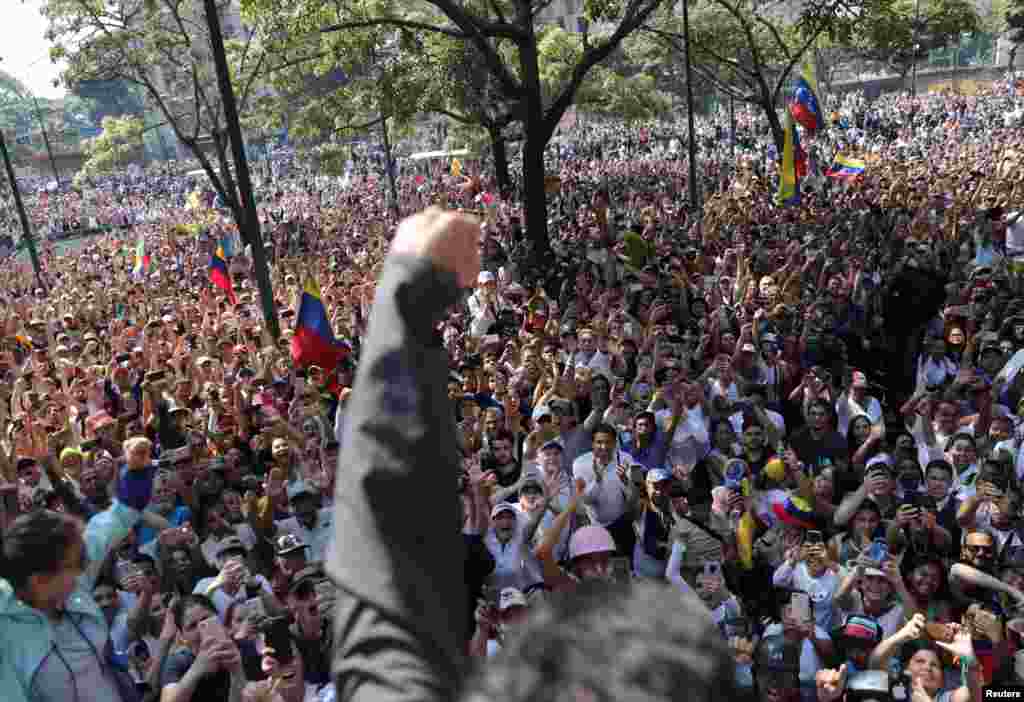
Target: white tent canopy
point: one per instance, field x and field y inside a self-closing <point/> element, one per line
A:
<point x="424" y="155"/>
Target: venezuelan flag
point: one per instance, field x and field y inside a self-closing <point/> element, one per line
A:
<point x="314" y="342"/>
<point x="141" y="258"/>
<point x="789" y="178"/>
<point x="804" y="106"/>
<point x="844" y="167"/>
<point x="219" y="274"/>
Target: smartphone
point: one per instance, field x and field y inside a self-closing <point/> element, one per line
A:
<point x="813" y="537"/>
<point x="878" y="551"/>
<point x="277" y="637"/>
<point x="621" y="571"/>
<point x="211" y="628"/>
<point x="800" y="607"/>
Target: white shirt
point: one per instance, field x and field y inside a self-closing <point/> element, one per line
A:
<point x="736" y="420"/>
<point x="318" y="538"/>
<point x="605" y="500"/>
<point x="692" y="432"/>
<point x="514" y="566"/>
<point x="820" y="589"/>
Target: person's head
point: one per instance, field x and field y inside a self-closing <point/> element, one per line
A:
<point x="550" y="458"/>
<point x="531" y="494"/>
<point x="501" y="445"/>
<point x="304" y="508"/>
<point x="946" y="416"/>
<point x="590" y="553"/>
<point x="925" y="667"/>
<point x="491" y="421"/>
<point x="860" y="428"/>
<point x="43" y="555"/>
<point x="753" y="434"/>
<point x="818" y="415"/>
<point x="280" y="451"/>
<point x="29" y="472"/>
<point x="504" y="519"/>
<point x="304" y="606"/>
<point x="875" y="589"/>
<point x="603" y="443"/>
<point x="642" y="644"/>
<point x="138" y="451"/>
<point x="979" y="549"/>
<point x="857" y="639"/>
<point x="938" y="479"/>
<point x="1000" y="429"/>
<point x="962" y="451"/>
<point x="188" y="611"/>
<point x="104" y="592"/>
<point x="644" y="424"/>
<point x="146" y="568"/>
<point x="926" y="578"/>
<point x="180" y="562"/>
<point x="724" y="438"/>
<point x="290" y="682"/>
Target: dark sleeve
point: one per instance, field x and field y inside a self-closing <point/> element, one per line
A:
<point x="399" y="555"/>
<point x="175" y="668"/>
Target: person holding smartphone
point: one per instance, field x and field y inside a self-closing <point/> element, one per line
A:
<point x="807" y="568"/>
<point x="208" y="666"/>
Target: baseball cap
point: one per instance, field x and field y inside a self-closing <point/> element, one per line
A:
<point x="503" y="507"/>
<point x="289" y="543"/>
<point x="553" y="444"/>
<point x="511" y="597"/>
<point x="485" y="277"/>
<point x="859" y="380"/>
<point x="748" y="348"/>
<point x="232" y="543"/>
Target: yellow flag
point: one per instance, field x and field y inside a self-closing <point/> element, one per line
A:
<point x="456" y="167"/>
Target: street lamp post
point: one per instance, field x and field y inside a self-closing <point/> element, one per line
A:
<point x="250" y="224"/>
<point x="26" y="229"/>
<point x="691" y="138"/>
<point x="917" y="25"/>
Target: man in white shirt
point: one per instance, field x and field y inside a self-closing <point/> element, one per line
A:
<point x="234" y="583"/>
<point x="593" y="353"/>
<point x="611" y="483"/>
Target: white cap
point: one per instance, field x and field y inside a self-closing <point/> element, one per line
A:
<point x="503" y="507"/>
<point x="485" y="277"/>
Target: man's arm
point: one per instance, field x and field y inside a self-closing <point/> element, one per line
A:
<point x="400" y="622"/>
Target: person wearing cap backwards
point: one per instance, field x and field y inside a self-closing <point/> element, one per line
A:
<point x="311" y="523"/>
<point x="495" y="623"/>
<point x="400" y="628"/>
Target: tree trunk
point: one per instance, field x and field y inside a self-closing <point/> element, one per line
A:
<point x="499" y="148"/>
<point x="536" y="134"/>
<point x="778" y="132"/>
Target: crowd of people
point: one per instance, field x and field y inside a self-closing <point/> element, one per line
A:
<point x="798" y="428"/>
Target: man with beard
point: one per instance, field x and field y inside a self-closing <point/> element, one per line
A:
<point x="310" y="523"/>
<point x="973" y="575"/>
<point x="818" y="446"/>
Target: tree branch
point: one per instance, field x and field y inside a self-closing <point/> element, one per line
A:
<point x="392" y="22"/>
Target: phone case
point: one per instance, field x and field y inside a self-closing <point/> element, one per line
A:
<point x="801" y="607"/>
